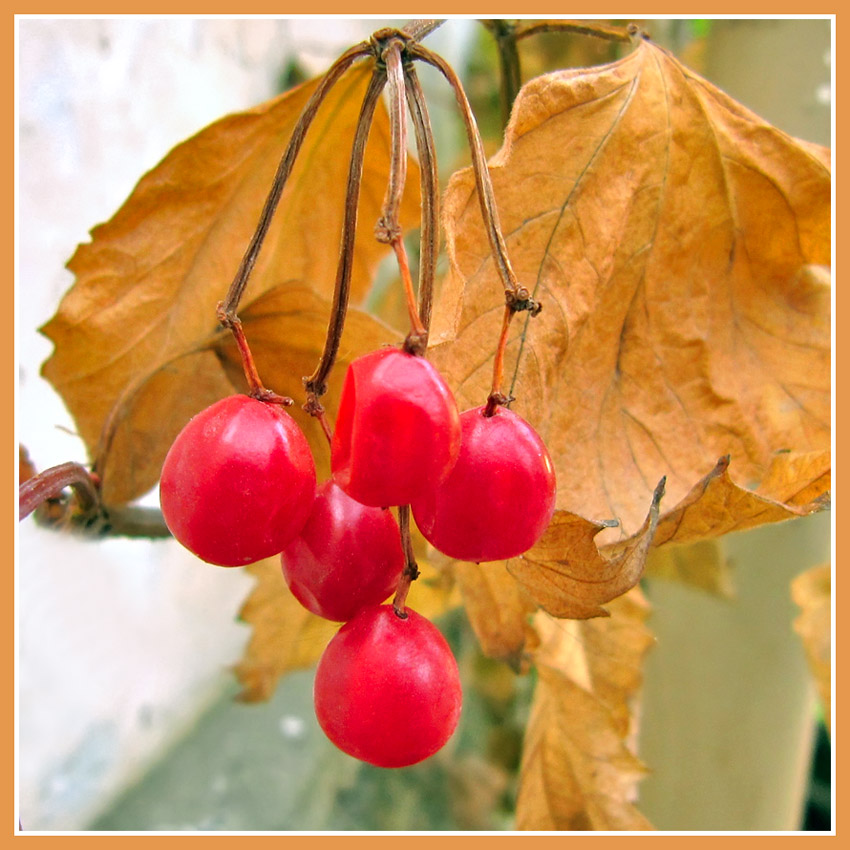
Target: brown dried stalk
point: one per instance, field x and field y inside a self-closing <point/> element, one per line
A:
<point x="597" y="30"/>
<point x="331" y="77"/>
<point x="411" y="569"/>
<point x="516" y="295"/>
<point x="388" y="228"/>
<point x="429" y="234"/>
<point x="316" y="384"/>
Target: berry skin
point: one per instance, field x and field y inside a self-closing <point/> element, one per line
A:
<point x="238" y="482"/>
<point x="346" y="557"/>
<point x="387" y="689"/>
<point x="397" y="430"/>
<point x="500" y="495"/>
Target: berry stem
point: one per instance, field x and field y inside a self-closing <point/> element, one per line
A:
<point x="333" y="74"/>
<point x="415" y="341"/>
<point x="316" y="384"/>
<point x="429" y="233"/>
<point x="411" y="570"/>
<point x="497" y="397"/>
<point x="86" y="512"/>
<point x="388" y="226"/>
<point x="388" y="229"/>
<point x="387" y="44"/>
<point x="226" y="310"/>
<point x="255" y="385"/>
<point x="514" y="292"/>
<point x="326" y="428"/>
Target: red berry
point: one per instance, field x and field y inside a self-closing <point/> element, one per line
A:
<point x="500" y="495"/>
<point x="238" y="483"/>
<point x="387" y="690"/>
<point x="397" y="430"/>
<point x="346" y="557"/>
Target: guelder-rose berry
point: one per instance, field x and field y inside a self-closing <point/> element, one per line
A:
<point x="397" y="429"/>
<point x="347" y="556"/>
<point x="387" y="690"/>
<point x="498" y="498"/>
<point x="238" y="483"/>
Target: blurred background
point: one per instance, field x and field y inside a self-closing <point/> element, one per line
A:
<point x="126" y="716"/>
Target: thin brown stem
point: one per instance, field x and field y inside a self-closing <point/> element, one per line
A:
<point x="415" y="342"/>
<point x="388" y="229"/>
<point x="411" y="570"/>
<point x="326" y="428"/>
<point x="249" y="367"/>
<point x="429" y="233"/>
<point x="337" y="69"/>
<point x="316" y="384"/>
<point x="497" y="397"/>
<point x="50" y="484"/>
<point x="514" y="292"/>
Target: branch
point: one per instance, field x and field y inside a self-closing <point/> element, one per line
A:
<point x="50" y="484"/>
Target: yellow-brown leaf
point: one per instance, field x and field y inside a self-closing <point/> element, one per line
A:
<point x="498" y="609"/>
<point x="604" y="655"/>
<point x="799" y="479"/>
<point x="578" y="770"/>
<point x="567" y="574"/>
<point x="716" y="505"/>
<point x="680" y="247"/>
<point x="701" y="564"/>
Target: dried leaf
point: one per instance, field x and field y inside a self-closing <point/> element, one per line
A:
<point x="702" y="565"/>
<point x="812" y="591"/>
<point x="498" y="610"/>
<point x="285" y="636"/>
<point x="683" y="543"/>
<point x="568" y="576"/>
<point x="604" y="655"/>
<point x="717" y="505"/>
<point x="677" y="326"/>
<point x="578" y="770"/>
<point x="798" y="478"/>
<point x="136" y="338"/>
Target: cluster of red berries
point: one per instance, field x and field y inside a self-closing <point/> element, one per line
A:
<point x="239" y="484"/>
